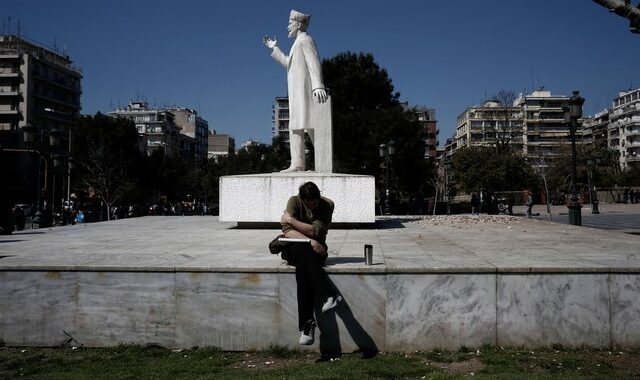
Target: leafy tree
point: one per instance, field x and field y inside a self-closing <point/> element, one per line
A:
<point x="367" y="113"/>
<point x="168" y="178"/>
<point x="604" y="169"/>
<point x="482" y="168"/>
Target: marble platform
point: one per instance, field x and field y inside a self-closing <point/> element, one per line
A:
<point x="194" y="281"/>
<point x="254" y="198"/>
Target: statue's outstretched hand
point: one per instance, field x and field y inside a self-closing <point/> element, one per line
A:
<point x="320" y="94"/>
<point x="269" y="42"/>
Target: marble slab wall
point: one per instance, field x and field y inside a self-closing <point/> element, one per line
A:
<point x="381" y="311"/>
<point x="36" y="308"/>
<point x="625" y="310"/>
<point x="440" y="311"/>
<point x="237" y="311"/>
<point x="543" y="309"/>
<point x="126" y="308"/>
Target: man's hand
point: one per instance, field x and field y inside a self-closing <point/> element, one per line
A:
<point x="318" y="248"/>
<point x="286" y="218"/>
<point x="269" y="42"/>
<point x="320" y="94"/>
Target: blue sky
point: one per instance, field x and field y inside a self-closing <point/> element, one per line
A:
<point x="447" y="55"/>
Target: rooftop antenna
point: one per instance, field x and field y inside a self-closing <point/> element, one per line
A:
<point x="533" y="85"/>
<point x="18" y="28"/>
<point x="9" y="25"/>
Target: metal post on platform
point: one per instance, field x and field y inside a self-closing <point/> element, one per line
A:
<point x="592" y="186"/>
<point x="386" y="152"/>
<point x="447" y="171"/>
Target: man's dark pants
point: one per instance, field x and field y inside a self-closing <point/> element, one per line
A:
<point x="311" y="279"/>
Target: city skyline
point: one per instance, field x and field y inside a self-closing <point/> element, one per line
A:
<point x="444" y="56"/>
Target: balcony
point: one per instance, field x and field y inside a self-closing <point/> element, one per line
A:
<point x="633" y="144"/>
<point x="61" y="82"/>
<point x="632" y="131"/>
<point x="12" y="92"/>
<point x="62" y="102"/>
<point x="9" y="74"/>
<point x="632" y="158"/>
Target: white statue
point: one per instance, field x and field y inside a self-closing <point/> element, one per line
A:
<point x="305" y="86"/>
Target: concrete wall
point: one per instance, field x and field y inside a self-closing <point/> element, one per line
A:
<point x="383" y="311"/>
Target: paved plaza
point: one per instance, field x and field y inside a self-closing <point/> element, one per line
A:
<point x="435" y="282"/>
<point x="621" y="217"/>
<point x="467" y="242"/>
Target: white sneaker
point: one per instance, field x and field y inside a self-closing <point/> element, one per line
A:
<point x="331" y="303"/>
<point x="306" y="338"/>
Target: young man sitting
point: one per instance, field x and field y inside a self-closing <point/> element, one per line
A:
<point x="308" y="216"/>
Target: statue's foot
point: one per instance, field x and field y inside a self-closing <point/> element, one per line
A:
<point x="292" y="169"/>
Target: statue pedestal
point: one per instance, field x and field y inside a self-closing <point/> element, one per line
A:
<point x="263" y="197"/>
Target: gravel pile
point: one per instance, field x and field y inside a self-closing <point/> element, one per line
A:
<point x="464" y="221"/>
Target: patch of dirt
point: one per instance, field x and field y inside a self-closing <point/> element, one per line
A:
<point x="254" y="361"/>
<point x="620" y="362"/>
<point x="459" y="368"/>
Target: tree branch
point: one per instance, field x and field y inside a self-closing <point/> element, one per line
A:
<point x="623" y="9"/>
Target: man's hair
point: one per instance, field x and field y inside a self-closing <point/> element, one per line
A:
<point x="309" y="191"/>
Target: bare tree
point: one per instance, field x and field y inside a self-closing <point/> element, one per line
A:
<point x="105" y="173"/>
<point x="625" y="9"/>
<point x="506" y="120"/>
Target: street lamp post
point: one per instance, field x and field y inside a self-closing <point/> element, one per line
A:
<point x="573" y="113"/>
<point x="29" y="136"/>
<point x="386" y="152"/>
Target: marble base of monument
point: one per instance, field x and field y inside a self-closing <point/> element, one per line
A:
<point x="262" y="197"/>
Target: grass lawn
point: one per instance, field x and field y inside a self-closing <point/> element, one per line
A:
<point x="134" y="362"/>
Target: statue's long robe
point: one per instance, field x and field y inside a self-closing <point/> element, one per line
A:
<point x="304" y="74"/>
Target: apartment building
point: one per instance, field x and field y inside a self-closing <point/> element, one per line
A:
<point x="157" y="129"/>
<point x="490" y="124"/>
<point x="546" y="127"/>
<point x="427" y="117"/>
<point x="219" y="145"/>
<point x="40" y="89"/>
<point x="535" y="124"/>
<point x="595" y="129"/>
<point x="623" y="131"/>
<point x="196" y="128"/>
<point x="174" y="130"/>
<point x="280" y="118"/>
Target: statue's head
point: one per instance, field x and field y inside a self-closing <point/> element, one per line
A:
<point x="297" y="22"/>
